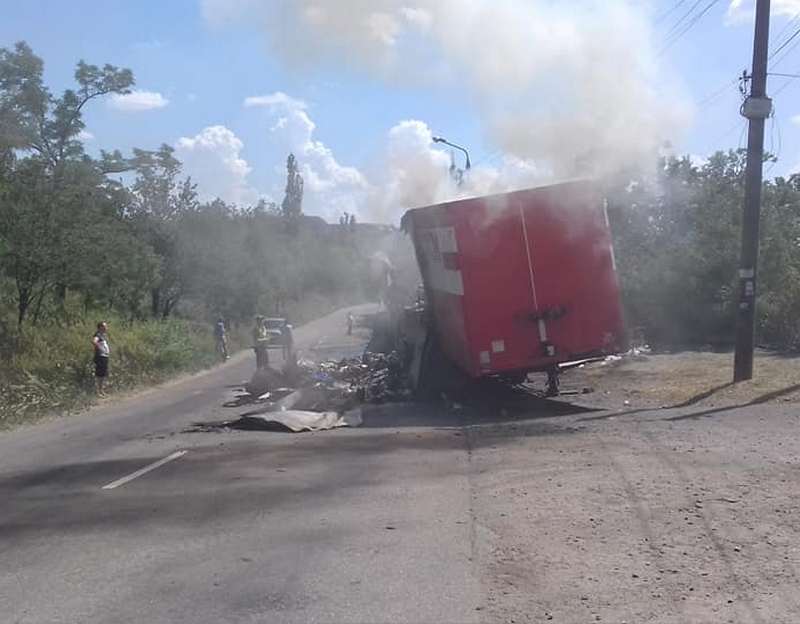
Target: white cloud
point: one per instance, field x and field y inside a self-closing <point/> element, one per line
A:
<point x="136" y="101"/>
<point x="745" y="10"/>
<point x="279" y="98"/>
<point x="739" y="11"/>
<point x="213" y="159"/>
<point x="85" y="135"/>
<point x="330" y="187"/>
<point x="796" y="120"/>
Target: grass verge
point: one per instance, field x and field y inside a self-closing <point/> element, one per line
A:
<point x="48" y="369"/>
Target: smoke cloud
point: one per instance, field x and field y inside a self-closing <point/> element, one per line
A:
<point x="562" y="89"/>
<point x="417" y="173"/>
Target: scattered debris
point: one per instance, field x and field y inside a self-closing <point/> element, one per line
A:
<point x="373" y="378"/>
<point x="315" y="397"/>
<point x="264" y="380"/>
<point x="637" y="354"/>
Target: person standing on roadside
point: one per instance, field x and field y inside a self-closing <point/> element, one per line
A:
<point x="260" y="341"/>
<point x="102" y="352"/>
<point x="220" y="338"/>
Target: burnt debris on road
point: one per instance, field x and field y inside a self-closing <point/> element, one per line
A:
<point x="313" y="396"/>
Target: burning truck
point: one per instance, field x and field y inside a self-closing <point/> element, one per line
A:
<point x="513" y="283"/>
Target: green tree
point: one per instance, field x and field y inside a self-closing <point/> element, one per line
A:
<point x="40" y="192"/>
<point x="677" y="237"/>
<point x="292" y="205"/>
<point x="160" y="200"/>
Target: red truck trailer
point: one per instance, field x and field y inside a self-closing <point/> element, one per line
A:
<point x="520" y="282"/>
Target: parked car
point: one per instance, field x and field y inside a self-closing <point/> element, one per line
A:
<point x="276" y="330"/>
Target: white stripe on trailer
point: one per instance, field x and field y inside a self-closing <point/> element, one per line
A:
<point x="611" y="242"/>
<point x="542" y="326"/>
<point x="528" y="254"/>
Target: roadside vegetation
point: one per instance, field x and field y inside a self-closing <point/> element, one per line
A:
<point x="677" y="240"/>
<point x="125" y="238"/>
<point x="50" y="367"/>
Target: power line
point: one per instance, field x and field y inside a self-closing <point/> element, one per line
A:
<point x="787" y="25"/>
<point x="669" y="12"/>
<point x="786" y="52"/>
<point x="785" y="43"/>
<point x="677" y="36"/>
<point x="711" y="97"/>
<point x="677" y="24"/>
<point x="741" y="136"/>
<point x="783" y="87"/>
<point x="775" y="128"/>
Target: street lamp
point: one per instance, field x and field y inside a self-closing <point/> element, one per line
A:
<point x="438" y="139"/>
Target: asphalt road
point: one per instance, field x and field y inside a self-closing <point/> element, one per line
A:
<point x="499" y="509"/>
<point x="360" y="525"/>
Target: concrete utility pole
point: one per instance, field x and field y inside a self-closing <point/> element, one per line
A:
<point x="757" y="107"/>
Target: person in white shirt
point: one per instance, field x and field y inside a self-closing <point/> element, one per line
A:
<point x="102" y="352"/>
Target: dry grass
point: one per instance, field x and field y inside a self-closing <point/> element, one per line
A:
<point x="688" y="378"/>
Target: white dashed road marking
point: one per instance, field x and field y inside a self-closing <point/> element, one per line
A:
<point x="145" y="470"/>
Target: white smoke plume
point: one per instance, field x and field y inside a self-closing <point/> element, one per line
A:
<point x="417" y="173"/>
<point x="562" y="88"/>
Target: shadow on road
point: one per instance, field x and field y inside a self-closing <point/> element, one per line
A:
<point x="215" y="482"/>
<point x="173" y="497"/>
<point x="764" y="398"/>
<point x="65" y="474"/>
<point x="700" y="396"/>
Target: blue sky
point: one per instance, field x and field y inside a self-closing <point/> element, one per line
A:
<point x="198" y="60"/>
